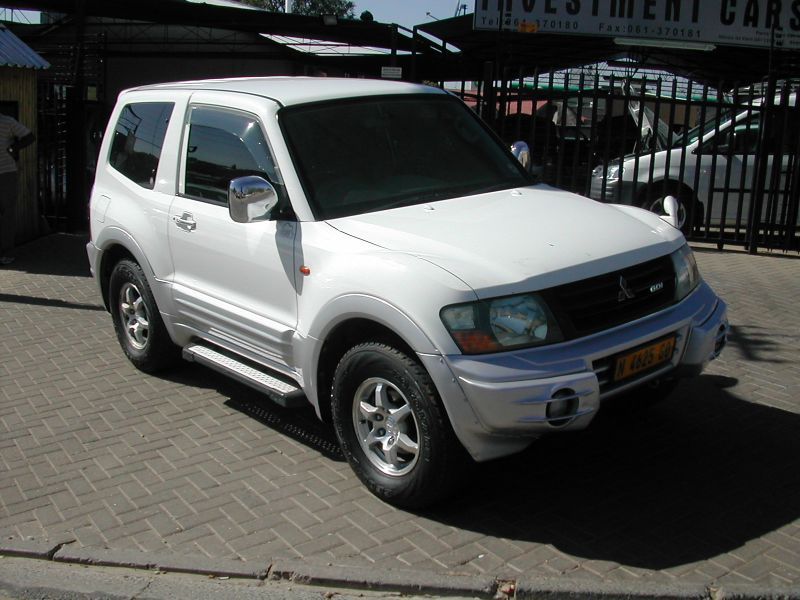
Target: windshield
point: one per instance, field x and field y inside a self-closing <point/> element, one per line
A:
<point x="370" y="154"/>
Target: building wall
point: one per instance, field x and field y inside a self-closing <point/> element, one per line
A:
<point x="19" y="85"/>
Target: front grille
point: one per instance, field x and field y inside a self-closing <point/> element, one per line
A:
<point x="602" y="302"/>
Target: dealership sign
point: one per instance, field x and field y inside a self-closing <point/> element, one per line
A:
<point x="720" y="22"/>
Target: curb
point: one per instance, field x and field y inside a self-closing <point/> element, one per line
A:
<point x="390" y="580"/>
<point x="529" y="588"/>
<point x="396" y="580"/>
<point x="135" y="559"/>
<point x="31" y="548"/>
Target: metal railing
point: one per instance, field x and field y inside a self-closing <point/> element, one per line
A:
<point x="730" y="158"/>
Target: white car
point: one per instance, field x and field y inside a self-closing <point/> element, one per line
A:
<point x="370" y="248"/>
<point x="712" y="168"/>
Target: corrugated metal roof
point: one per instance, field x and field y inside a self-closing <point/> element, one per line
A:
<point x="15" y="53"/>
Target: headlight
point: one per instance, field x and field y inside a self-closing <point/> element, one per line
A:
<point x="501" y="324"/>
<point x="687" y="276"/>
<point x="611" y="172"/>
<point x="615" y="171"/>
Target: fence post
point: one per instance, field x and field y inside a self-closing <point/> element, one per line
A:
<point x="762" y="164"/>
<point x="488" y="107"/>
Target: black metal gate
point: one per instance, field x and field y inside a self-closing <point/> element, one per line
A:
<point x="72" y="116"/>
<point x="730" y="159"/>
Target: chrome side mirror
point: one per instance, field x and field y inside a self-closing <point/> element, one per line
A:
<point x="671" y="210"/>
<point x="251" y="199"/>
<point x="522" y="153"/>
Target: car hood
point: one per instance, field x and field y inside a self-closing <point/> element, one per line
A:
<point x="518" y="240"/>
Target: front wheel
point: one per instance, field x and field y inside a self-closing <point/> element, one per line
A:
<point x="138" y="324"/>
<point x="392" y="426"/>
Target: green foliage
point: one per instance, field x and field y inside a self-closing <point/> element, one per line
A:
<point x="340" y="8"/>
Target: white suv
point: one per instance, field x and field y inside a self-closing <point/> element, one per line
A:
<point x="372" y="249"/>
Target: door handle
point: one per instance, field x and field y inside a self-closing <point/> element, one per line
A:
<point x="186" y="222"/>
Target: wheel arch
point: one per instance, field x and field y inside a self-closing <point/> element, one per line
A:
<point x="115" y="245"/>
<point x="646" y="192"/>
<point x="110" y="257"/>
<point x="343" y="336"/>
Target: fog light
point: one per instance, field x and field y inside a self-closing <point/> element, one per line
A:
<point x="562" y="407"/>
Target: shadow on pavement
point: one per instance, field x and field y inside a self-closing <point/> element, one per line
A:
<point x="697" y="476"/>
<point x="756" y="344"/>
<point x="56" y="254"/>
<point x="35" y="301"/>
<point x="300" y="424"/>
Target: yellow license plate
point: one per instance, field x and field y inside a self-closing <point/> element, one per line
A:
<point x="644" y="358"/>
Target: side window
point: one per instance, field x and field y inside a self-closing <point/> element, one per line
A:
<point x="739" y="138"/>
<point x="746" y="134"/>
<point x="138" y="138"/>
<point x="223" y="145"/>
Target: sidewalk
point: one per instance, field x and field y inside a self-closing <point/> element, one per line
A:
<point x="701" y="491"/>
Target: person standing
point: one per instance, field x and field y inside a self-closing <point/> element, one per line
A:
<point x="13" y="137"/>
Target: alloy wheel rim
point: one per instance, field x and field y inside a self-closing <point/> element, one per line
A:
<point x="133" y="312"/>
<point x="386" y="426"/>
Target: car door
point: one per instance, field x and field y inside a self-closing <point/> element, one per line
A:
<point x="233" y="282"/>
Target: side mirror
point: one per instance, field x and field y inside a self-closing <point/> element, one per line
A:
<point x="251" y="199"/>
<point x="522" y="153"/>
<point x="671" y="209"/>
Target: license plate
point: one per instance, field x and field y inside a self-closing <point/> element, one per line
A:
<point x="644" y="358"/>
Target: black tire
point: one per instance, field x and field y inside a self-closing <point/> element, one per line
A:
<point x="140" y="329"/>
<point x="413" y="480"/>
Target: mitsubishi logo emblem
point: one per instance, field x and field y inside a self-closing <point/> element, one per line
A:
<point x="625" y="292"/>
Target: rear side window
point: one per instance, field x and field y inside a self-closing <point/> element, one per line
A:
<point x="138" y="138"/>
<point x="223" y="145"/>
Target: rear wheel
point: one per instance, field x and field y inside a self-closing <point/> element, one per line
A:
<point x="392" y="426"/>
<point x="140" y="329"/>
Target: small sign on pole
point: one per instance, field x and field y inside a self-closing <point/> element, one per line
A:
<point x="391" y="72"/>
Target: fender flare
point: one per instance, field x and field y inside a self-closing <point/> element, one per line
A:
<point x="111" y="236"/>
<point x="353" y="306"/>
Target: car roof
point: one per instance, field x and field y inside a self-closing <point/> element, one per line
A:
<point x="297" y="90"/>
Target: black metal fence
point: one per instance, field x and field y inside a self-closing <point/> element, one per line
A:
<point x="72" y="116"/>
<point x="729" y="158"/>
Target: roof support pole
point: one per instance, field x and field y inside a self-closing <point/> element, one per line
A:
<point x="76" y="125"/>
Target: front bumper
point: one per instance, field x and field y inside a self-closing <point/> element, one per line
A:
<point x="509" y="392"/>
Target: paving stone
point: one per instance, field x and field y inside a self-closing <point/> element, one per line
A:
<point x="701" y="489"/>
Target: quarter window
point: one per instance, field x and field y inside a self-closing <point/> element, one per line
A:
<point x="138" y="138"/>
<point x="222" y="146"/>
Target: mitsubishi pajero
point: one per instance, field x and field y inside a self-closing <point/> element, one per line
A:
<point x="371" y="248"/>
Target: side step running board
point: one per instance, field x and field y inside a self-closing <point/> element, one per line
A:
<point x="280" y="391"/>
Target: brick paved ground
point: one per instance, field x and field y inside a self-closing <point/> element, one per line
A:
<point x="703" y="488"/>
